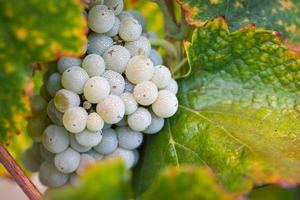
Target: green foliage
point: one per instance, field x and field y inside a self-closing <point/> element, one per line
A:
<point x="280" y="15"/>
<point x="108" y="180"/>
<point x="238" y="111"/>
<point x="32" y="31"/>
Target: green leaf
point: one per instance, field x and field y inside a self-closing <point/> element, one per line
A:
<point x="186" y="182"/>
<point x="33" y="30"/>
<point x="105" y="180"/>
<point x="274" y="193"/>
<point x="238" y="111"/>
<point x="280" y="15"/>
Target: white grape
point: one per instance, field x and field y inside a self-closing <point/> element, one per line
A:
<point x="139" y="17"/>
<point x="94" y="122"/>
<point x="88" y="138"/>
<point x="128" y="138"/>
<point x="157" y="123"/>
<point x="50" y="176"/>
<point x="129" y="102"/>
<point x="36" y="126"/>
<point x="74" y="79"/>
<point x="67" y="161"/>
<point x="116" y="58"/>
<point x="166" y="104"/>
<point x="78" y="147"/>
<point x="106" y="126"/>
<point x="116" y="82"/>
<point x="115" y="29"/>
<point x="55" y="139"/>
<point x="145" y="93"/>
<point x="172" y="87"/>
<point x="140" y="119"/>
<point x="136" y="156"/>
<point x="128" y="86"/>
<point x="109" y="142"/>
<point x="31" y="158"/>
<point x="123" y="122"/>
<point x="93" y="64"/>
<point x="162" y="76"/>
<point x="112" y="109"/>
<point x="124" y="14"/>
<point x="97" y="156"/>
<point x="55" y="116"/>
<point x="96" y="89"/>
<point x="65" y="99"/>
<point x="85" y="161"/>
<point x="139" y="68"/>
<point x="126" y="155"/>
<point x="54" y="83"/>
<point x="116" y="5"/>
<point x="93" y="3"/>
<point x="141" y="46"/>
<point x="130" y="29"/>
<point x="101" y="19"/>
<point x="74" y="180"/>
<point x="98" y="43"/>
<point x="155" y="57"/>
<point x="45" y="154"/>
<point x="75" y="119"/>
<point x="38" y="104"/>
<point x="65" y="63"/>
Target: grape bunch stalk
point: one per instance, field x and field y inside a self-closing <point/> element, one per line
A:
<point x="99" y="107"/>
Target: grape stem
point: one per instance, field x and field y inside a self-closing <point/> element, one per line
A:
<point x="168" y="46"/>
<point x="18" y="175"/>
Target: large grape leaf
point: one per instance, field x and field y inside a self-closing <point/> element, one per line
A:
<point x="281" y="15"/>
<point x="33" y="30"/>
<point x="188" y="183"/>
<point x="238" y="111"/>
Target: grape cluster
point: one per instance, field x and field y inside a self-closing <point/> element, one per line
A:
<point x="98" y="107"/>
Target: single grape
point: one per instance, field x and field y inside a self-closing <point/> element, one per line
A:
<point x="128" y="86"/>
<point x="67" y="161"/>
<point x="54" y="83"/>
<point x="65" y="99"/>
<point x="123" y="122"/>
<point x="129" y="102"/>
<point x="54" y="115"/>
<point x="74" y="79"/>
<point x="106" y="126"/>
<point x="139" y="17"/>
<point x="88" y="138"/>
<point x="94" y="122"/>
<point x="101" y="19"/>
<point x="111" y="109"/>
<point x="116" y="58"/>
<point x="36" y="126"/>
<point x="78" y="147"/>
<point x="50" y="176"/>
<point x="45" y="154"/>
<point x="74" y="180"/>
<point x="141" y="46"/>
<point x="155" y="57"/>
<point x="93" y="64"/>
<point x="96" y="89"/>
<point x="85" y="161"/>
<point x="130" y="29"/>
<point x="145" y="93"/>
<point x="162" y="76"/>
<point x="109" y="142"/>
<point x="65" y="63"/>
<point x="139" y="68"/>
<point x="116" y="82"/>
<point x="75" y="119"/>
<point x="97" y="156"/>
<point x="93" y="3"/>
<point x="128" y="138"/>
<point x="172" y="87"/>
<point x="166" y="104"/>
<point x="38" y="104"/>
<point x="140" y="119"/>
<point x="157" y="123"/>
<point x="136" y="156"/>
<point x="126" y="155"/>
<point x="31" y="158"/>
<point x="98" y="43"/>
<point x="115" y="29"/>
<point x="55" y="139"/>
<point x="124" y="14"/>
<point x="116" y="5"/>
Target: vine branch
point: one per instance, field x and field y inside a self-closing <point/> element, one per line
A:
<point x="18" y="175"/>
